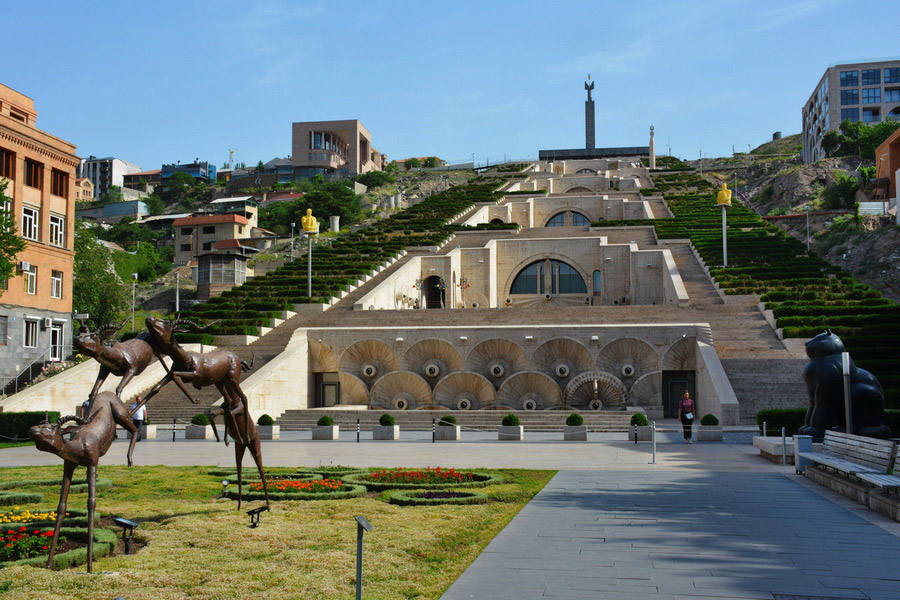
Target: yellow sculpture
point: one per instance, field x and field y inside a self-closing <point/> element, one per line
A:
<point x="723" y="198"/>
<point x="310" y="225"/>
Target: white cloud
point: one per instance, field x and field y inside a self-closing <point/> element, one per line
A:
<point x="783" y="15"/>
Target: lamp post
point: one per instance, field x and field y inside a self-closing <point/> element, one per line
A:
<point x="807" y="227"/>
<point x="292" y="240"/>
<point x="310" y="228"/>
<point x="724" y="239"/>
<point x="177" y="292"/>
<point x="134" y="277"/>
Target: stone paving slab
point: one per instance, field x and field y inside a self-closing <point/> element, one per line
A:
<point x="684" y="535"/>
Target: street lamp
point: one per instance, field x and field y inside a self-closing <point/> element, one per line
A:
<point x="807" y="227"/>
<point x="134" y="277"/>
<point x="292" y="240"/>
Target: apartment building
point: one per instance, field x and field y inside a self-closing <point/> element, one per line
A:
<point x="84" y="190"/>
<point x="36" y="303"/>
<point x="342" y="148"/>
<point x="105" y="173"/>
<point x="862" y="91"/>
<point x="198" y="234"/>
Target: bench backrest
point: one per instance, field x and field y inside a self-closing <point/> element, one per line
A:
<point x="866" y="451"/>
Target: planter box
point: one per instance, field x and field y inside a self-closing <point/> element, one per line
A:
<point x="198" y="432"/>
<point x="148" y="432"/>
<point x="326" y="433"/>
<point x="709" y="433"/>
<point x="386" y="432"/>
<point x="575" y="433"/>
<point x="269" y="432"/>
<point x="644" y="433"/>
<point x="447" y="432"/>
<point x="514" y="433"/>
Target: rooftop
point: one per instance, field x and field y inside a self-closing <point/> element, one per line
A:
<point x="211" y="219"/>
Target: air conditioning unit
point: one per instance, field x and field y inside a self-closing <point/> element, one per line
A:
<point x="24" y="265"/>
<point x="46" y="323"/>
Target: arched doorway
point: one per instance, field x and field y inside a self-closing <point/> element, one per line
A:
<point x="434" y="292"/>
<point x="497" y="221"/>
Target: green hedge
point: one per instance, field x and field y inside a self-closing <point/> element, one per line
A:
<point x="104" y="542"/>
<point x="410" y="498"/>
<point x="484" y="479"/>
<point x="353" y="491"/>
<point x="17" y="498"/>
<point x="776" y="418"/>
<point x="79" y="486"/>
<point x="14" y="426"/>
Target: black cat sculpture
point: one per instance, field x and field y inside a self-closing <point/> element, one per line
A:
<point x="824" y="381"/>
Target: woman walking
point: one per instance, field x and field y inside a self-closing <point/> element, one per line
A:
<point x="686" y="415"/>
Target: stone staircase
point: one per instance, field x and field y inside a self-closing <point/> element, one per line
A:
<point x="481" y="420"/>
<point x="762" y="383"/>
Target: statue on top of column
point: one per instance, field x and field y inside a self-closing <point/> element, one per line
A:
<point x="589" y="85"/>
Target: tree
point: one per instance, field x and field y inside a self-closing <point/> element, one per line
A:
<point x="430" y="162"/>
<point x="260" y="167"/>
<point x="155" y="204"/>
<point x="411" y="163"/>
<point x="175" y="189"/>
<point x="112" y="196"/>
<point x="857" y="138"/>
<point x="97" y="290"/>
<point x="375" y="179"/>
<point x="10" y="242"/>
<point x="841" y="193"/>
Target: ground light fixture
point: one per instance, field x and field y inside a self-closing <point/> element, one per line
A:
<point x="362" y="525"/>
<point x="128" y="528"/>
<point x="254" y="515"/>
<point x="225" y="484"/>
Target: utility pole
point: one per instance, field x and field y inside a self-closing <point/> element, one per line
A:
<point x="807" y="227"/>
<point x="292" y="240"/>
<point x="177" y="293"/>
<point x="134" y="277"/>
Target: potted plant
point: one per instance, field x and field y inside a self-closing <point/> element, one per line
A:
<point x="148" y="431"/>
<point x="325" y="429"/>
<point x="199" y="429"/>
<point x="447" y="429"/>
<point x="386" y="430"/>
<point x="640" y="429"/>
<point x="575" y="429"/>
<point x="510" y="429"/>
<point x="267" y="428"/>
<point x="709" y="430"/>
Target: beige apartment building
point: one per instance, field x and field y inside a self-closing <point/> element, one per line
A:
<point x="862" y="91"/>
<point x="36" y="303"/>
<point x="196" y="235"/>
<point x="341" y="148"/>
<point x="84" y="190"/>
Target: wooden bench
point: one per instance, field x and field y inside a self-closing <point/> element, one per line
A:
<point x="864" y="458"/>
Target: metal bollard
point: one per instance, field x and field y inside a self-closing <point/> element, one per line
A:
<point x="173" y="429"/>
<point x="357" y="431"/>
<point x="764" y="429"/>
<point x="783" y="447"/>
<point x="653" y="435"/>
<point x="432" y="431"/>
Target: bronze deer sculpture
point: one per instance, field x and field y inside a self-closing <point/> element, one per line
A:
<point x="220" y="368"/>
<point x="125" y="359"/>
<point x="90" y="439"/>
<point x="241" y="434"/>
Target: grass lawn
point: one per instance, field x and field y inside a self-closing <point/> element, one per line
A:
<point x="200" y="547"/>
<point x="14" y="444"/>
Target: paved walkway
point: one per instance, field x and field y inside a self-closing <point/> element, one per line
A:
<point x="680" y="535"/>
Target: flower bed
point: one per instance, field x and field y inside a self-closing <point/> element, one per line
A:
<point x="434" y="498"/>
<point x="16" y="544"/>
<point x="430" y="479"/>
<point x="300" y="489"/>
<point x="104" y="541"/>
<point x="40" y="518"/>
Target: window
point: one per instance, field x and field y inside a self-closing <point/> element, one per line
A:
<point x="598" y="283"/>
<point x="209" y="229"/>
<point x="849" y="97"/>
<point x="30" y="219"/>
<point x="59" y="183"/>
<point x="56" y="284"/>
<point x="892" y="95"/>
<point x="7" y="164"/>
<point x="872" y="96"/>
<point x="579" y="220"/>
<point x="187" y="230"/>
<point x="892" y="75"/>
<point x="240" y="229"/>
<point x="317" y="141"/>
<point x="185" y="247"/>
<point x="34" y="174"/>
<point x="871" y="115"/>
<point x="58" y="231"/>
<point x="849" y="78"/>
<point x="207" y="246"/>
<point x="871" y="77"/>
<point x="557" y="220"/>
<point x="4" y="330"/>
<point x="850" y="114"/>
<point x="31" y="333"/>
<point x="563" y="277"/>
<point x="30" y="280"/>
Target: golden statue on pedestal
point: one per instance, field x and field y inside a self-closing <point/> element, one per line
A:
<point x="723" y="198"/>
<point x="310" y="225"/>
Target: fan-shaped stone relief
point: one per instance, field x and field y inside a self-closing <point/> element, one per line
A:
<point x="595" y="390"/>
<point x="629" y="359"/>
<point x="497" y="360"/>
<point x="681" y="356"/>
<point x="432" y="359"/>
<point x="369" y="360"/>
<point x="562" y="359"/>
<point x="353" y="390"/>
<point x="646" y="391"/>
<point x="465" y="390"/>
<point x="321" y="358"/>
<point x="530" y="390"/>
<point x="400" y="390"/>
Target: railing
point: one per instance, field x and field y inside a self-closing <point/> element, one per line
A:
<point x="42" y="360"/>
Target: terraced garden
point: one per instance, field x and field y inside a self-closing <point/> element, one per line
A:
<point x="805" y="293"/>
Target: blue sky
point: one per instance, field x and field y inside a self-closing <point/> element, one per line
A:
<point x="154" y="82"/>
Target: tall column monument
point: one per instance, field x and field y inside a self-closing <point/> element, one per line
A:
<point x="589" y="116"/>
<point x="652" y="149"/>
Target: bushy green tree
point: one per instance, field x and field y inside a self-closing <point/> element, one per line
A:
<point x="155" y="204"/>
<point x="411" y="163"/>
<point x="10" y="242"/>
<point x="857" y="138"/>
<point x="97" y="290"/>
<point x="430" y="162"/>
<point x="375" y="179"/>
<point x="325" y="198"/>
<point x="841" y="193"/>
<point x="113" y="196"/>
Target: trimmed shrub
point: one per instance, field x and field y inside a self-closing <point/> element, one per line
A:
<point x="349" y="491"/>
<point x="709" y="420"/>
<point x="386" y="420"/>
<point x="17" y="498"/>
<point x="79" y="486"/>
<point x="639" y="419"/>
<point x="325" y="421"/>
<point x="265" y="421"/>
<point x="200" y="419"/>
<point x="479" y="480"/>
<point x="420" y="498"/>
<point x="574" y="420"/>
<point x="15" y="425"/>
<point x="776" y="418"/>
<point x="447" y="420"/>
<point x="510" y="420"/>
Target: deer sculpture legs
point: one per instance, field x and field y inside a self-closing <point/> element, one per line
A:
<point x="231" y="412"/>
<point x="68" y="472"/>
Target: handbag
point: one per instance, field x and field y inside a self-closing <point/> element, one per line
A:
<point x="689" y="416"/>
